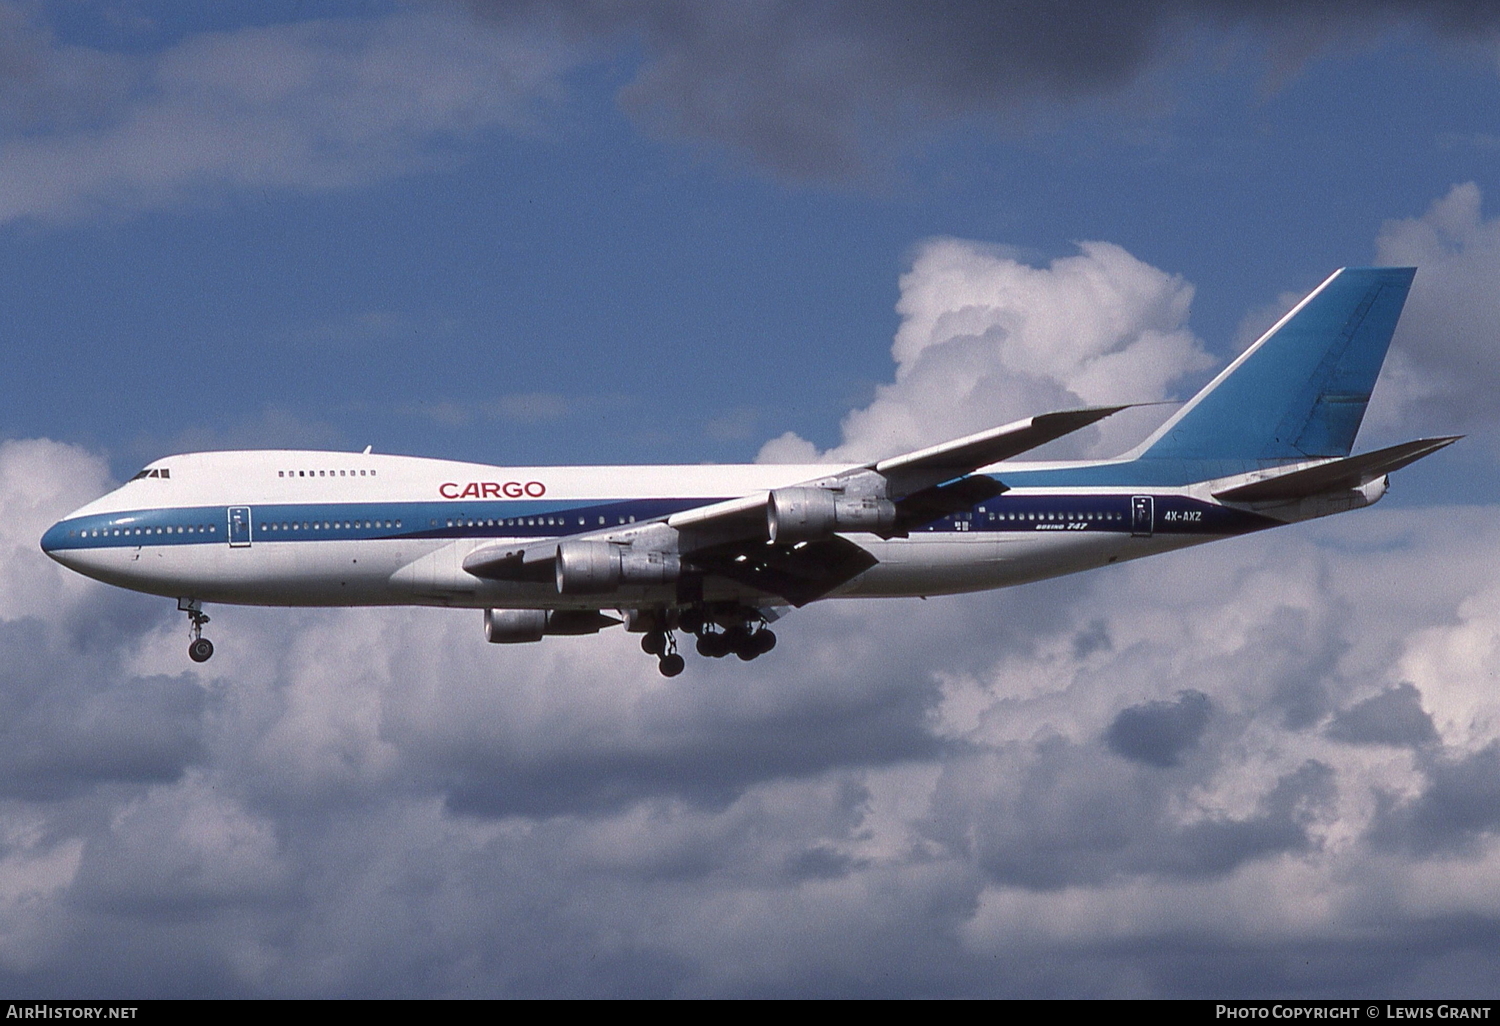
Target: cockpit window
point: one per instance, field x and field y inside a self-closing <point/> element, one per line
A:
<point x="153" y="472"/>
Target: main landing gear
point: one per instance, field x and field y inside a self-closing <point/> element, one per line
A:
<point x="740" y="632"/>
<point x="745" y="640"/>
<point x="200" y="649"/>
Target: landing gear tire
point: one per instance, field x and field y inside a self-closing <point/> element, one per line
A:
<point x="765" y="640"/>
<point x="713" y="646"/>
<point x="654" y="643"/>
<point x="199" y="648"/>
<point x="671" y="665"/>
<point x="742" y="643"/>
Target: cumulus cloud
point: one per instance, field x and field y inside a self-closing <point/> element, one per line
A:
<point x="986" y="338"/>
<point x="905" y="797"/>
<point x="1456" y="810"/>
<point x="1393" y="717"/>
<point x="39" y="478"/>
<point x="308" y="106"/>
<point x="1158" y="733"/>
<point x="1443" y="370"/>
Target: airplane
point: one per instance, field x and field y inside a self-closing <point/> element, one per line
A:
<point x="721" y="552"/>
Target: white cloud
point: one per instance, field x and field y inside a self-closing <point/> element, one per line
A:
<point x="1443" y="374"/>
<point x="986" y="339"/>
<point x="40" y="482"/>
<point x="378" y="802"/>
<point x="309" y="106"/>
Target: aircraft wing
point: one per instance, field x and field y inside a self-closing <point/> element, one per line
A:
<point x="965" y="455"/>
<point x="731" y="538"/>
<point x="914" y="478"/>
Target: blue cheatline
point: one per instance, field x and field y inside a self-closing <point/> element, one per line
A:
<point x="1301" y="391"/>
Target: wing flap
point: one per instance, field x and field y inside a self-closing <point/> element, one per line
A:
<point x="930" y="503"/>
<point x="797" y="573"/>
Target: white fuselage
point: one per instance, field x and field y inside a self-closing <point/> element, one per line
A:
<point x="322" y="528"/>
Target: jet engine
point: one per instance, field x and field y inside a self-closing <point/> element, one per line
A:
<point x="517" y="626"/>
<point x="811" y="514"/>
<point x="594" y="567"/>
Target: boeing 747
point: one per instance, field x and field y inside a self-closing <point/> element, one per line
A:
<point x="719" y="552"/>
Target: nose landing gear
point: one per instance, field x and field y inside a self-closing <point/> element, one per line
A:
<point x="200" y="649"/>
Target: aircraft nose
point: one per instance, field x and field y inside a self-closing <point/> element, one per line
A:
<point x="54" y="542"/>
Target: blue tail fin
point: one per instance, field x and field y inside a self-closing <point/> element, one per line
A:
<point x="1301" y="390"/>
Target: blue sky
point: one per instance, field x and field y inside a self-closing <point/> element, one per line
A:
<point x="663" y="231"/>
<point x="551" y="243"/>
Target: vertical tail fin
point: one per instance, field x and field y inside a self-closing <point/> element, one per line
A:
<point x="1301" y="390"/>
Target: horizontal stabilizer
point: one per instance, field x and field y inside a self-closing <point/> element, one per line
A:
<point x="1349" y="472"/>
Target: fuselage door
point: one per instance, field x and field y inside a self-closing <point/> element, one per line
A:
<point x="239" y="527"/>
<point x="1142" y="515"/>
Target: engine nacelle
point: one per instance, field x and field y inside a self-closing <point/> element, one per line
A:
<point x="514" y="626"/>
<point x="812" y="514"/>
<point x="587" y="567"/>
<point x="518" y="626"/>
<point x="595" y="567"/>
